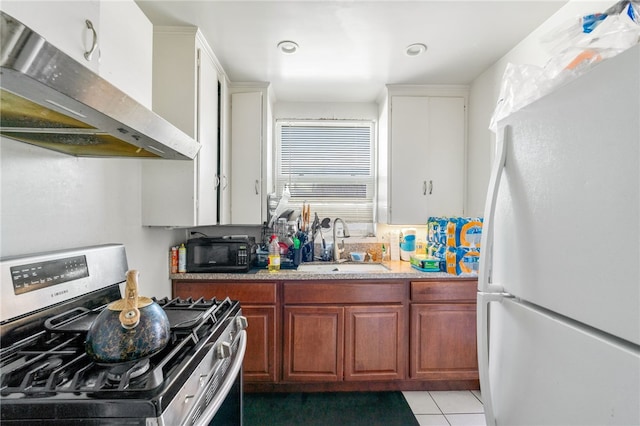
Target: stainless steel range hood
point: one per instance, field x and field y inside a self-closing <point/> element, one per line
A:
<point x="50" y="100"/>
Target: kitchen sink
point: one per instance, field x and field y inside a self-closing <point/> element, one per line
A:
<point x="347" y="268"/>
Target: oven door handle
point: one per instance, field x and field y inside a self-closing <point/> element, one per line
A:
<point x="223" y="391"/>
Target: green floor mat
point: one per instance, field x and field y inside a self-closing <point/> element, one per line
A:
<point x="327" y="408"/>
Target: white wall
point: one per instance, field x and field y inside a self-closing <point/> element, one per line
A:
<point x="53" y="201"/>
<point x="327" y="110"/>
<point x="485" y="90"/>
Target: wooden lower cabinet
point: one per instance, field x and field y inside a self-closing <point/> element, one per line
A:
<point x="443" y="331"/>
<point x="313" y="343"/>
<point x="259" y="363"/>
<point x="259" y="306"/>
<point x="332" y="335"/>
<point x="334" y="343"/>
<point x="375" y="346"/>
<point x="443" y="342"/>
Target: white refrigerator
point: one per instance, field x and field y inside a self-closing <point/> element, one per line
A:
<point x="559" y="280"/>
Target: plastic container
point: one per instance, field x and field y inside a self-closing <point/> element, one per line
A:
<point x="297" y="252"/>
<point x="173" y="259"/>
<point x="358" y="256"/>
<point x="274" y="254"/>
<point x="408" y="244"/>
<point x="182" y="259"/>
<point x="394" y="246"/>
<point x="385" y="254"/>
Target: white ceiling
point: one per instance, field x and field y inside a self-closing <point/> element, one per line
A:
<point x="350" y="49"/>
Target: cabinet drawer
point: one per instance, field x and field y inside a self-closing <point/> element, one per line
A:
<point x="444" y="291"/>
<point x="254" y="293"/>
<point x="344" y="292"/>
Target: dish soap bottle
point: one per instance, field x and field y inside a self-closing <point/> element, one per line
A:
<point x="274" y="254"/>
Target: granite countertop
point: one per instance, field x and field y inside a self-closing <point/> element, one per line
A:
<point x="396" y="270"/>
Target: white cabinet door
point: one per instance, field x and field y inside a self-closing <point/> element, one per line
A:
<point x="126" y="49"/>
<point x="207" y="173"/>
<point x="409" y="150"/>
<point x="61" y="23"/>
<point x="123" y="36"/>
<point x="426" y="165"/>
<point x="446" y="157"/>
<point x="246" y="158"/>
<point x="185" y="92"/>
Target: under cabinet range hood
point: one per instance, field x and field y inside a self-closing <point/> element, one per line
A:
<point x="50" y="100"/>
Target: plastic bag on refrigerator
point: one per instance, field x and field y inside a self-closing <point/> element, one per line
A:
<point x="574" y="47"/>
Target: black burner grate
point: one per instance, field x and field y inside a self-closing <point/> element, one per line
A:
<point x="54" y="361"/>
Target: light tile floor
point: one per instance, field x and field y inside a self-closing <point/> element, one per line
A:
<point x="446" y="408"/>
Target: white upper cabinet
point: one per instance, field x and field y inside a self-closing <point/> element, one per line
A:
<point x="112" y="38"/>
<point x="248" y="137"/>
<point x="126" y="49"/>
<point x="186" y="93"/>
<point x="425" y="163"/>
<point x="63" y="24"/>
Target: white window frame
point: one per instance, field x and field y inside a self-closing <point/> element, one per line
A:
<point x="361" y="214"/>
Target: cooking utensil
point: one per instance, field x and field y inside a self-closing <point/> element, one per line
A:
<point x="306" y="214"/>
<point x="128" y="329"/>
<point x="326" y="223"/>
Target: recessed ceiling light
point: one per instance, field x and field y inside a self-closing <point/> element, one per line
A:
<point x="415" y="49"/>
<point x="288" y="47"/>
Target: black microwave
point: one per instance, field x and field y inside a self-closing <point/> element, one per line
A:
<point x="219" y="254"/>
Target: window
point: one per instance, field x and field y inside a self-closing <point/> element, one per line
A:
<point x="329" y="165"/>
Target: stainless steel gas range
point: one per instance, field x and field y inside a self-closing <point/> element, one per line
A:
<point x="49" y="301"/>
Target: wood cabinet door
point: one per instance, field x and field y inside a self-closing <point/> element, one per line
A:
<point x="259" y="363"/>
<point x="443" y="342"/>
<point x="313" y="343"/>
<point x="258" y="303"/>
<point x="374" y="343"/>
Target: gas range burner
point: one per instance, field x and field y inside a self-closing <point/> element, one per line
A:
<point x="40" y="373"/>
<point x="127" y="370"/>
<point x="47" y="377"/>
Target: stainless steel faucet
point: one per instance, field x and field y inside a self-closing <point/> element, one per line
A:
<point x="345" y="234"/>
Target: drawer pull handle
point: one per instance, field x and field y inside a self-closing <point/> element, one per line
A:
<point x="94" y="43"/>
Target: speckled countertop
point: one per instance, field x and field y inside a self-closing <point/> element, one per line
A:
<point x="396" y="270"/>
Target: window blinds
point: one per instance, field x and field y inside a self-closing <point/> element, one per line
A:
<point x="329" y="165"/>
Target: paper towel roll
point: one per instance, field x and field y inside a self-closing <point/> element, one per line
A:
<point x="394" y="245"/>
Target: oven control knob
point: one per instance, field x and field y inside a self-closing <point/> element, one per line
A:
<point x="224" y="350"/>
<point x="242" y="322"/>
